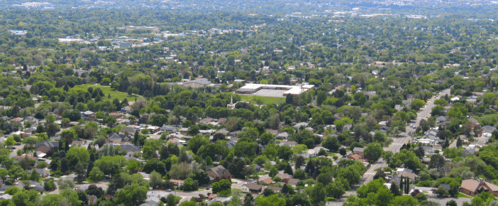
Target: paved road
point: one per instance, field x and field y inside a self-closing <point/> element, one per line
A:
<point x="14" y="152"/>
<point x="398" y="142"/>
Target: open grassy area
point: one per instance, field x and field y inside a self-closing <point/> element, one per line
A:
<point x="264" y="100"/>
<point x="462" y="195"/>
<point x="107" y="90"/>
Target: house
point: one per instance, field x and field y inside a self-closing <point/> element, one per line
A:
<point x="128" y="130"/>
<point x="288" y="143"/>
<point x="471" y="187"/>
<point x="46" y="147"/>
<point x="252" y="188"/>
<point x="183" y="131"/>
<point x="347" y="127"/>
<point x="217" y="173"/>
<point x="88" y="114"/>
<point x="130" y="148"/>
<point x="118" y="138"/>
<point x="440" y="119"/>
<point x="177" y="183"/>
<point x="384" y="129"/>
<point x="358" y="150"/>
<point x="43" y="172"/>
<point x="267" y="181"/>
<point x="487" y="131"/>
<point x="293" y="182"/>
<point x="202" y="82"/>
<point x="455" y="99"/>
<point x="126" y="109"/>
<point x="169" y="129"/>
<point x="284" y="176"/>
<point x="412" y="176"/>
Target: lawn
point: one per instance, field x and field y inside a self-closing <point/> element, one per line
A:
<point x="462" y="195"/>
<point x="264" y="100"/>
<point x="107" y="90"/>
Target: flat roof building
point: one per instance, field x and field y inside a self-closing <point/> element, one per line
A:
<point x="272" y="90"/>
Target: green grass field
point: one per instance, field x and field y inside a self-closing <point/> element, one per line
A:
<point x="462" y="195"/>
<point x="264" y="100"/>
<point x="107" y="90"/>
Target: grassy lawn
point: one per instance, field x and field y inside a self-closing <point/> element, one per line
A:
<point x="107" y="90"/>
<point x="264" y="100"/>
<point x="462" y="195"/>
<point x="329" y="199"/>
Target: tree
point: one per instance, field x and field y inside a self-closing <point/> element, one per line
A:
<point x="373" y="151"/>
<point x="65" y="183"/>
<point x="49" y="185"/>
<point x="451" y="203"/>
<point x="288" y="169"/>
<point x="342" y="151"/>
<point x="133" y="194"/>
<point x="159" y="120"/>
<point x="81" y="153"/>
<point x="321" y="96"/>
<point x="331" y="143"/>
<point x="267" y="138"/>
<point x="221" y="185"/>
<point x="299" y="162"/>
<point x="395" y="189"/>
<point x="171" y="200"/>
<point x="335" y="189"/>
<point x="287" y="189"/>
<point x="64" y="165"/>
<point x="96" y="175"/>
<point x="272" y="200"/>
<point x="318" y="193"/>
<point x="416" y="104"/>
<point x="190" y="184"/>
<point x="273" y="172"/>
<point x="80" y="172"/>
<point x="155" y="180"/>
<point x="35" y="176"/>
<point x="406" y="200"/>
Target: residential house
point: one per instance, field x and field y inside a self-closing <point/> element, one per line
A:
<point x="440" y="119"/>
<point x="202" y="82"/>
<point x="347" y="127"/>
<point x="358" y="151"/>
<point x="43" y="172"/>
<point x="184" y="131"/>
<point x="169" y="129"/>
<point x="130" y="130"/>
<point x="471" y="187"/>
<point x="288" y="143"/>
<point x="46" y="147"/>
<point x="267" y="181"/>
<point x="252" y="188"/>
<point x="88" y="114"/>
<point x="284" y="176"/>
<point x="177" y="183"/>
<point x="293" y="182"/>
<point x="282" y="135"/>
<point x="129" y="148"/>
<point x="217" y="173"/>
<point x="487" y="131"/>
<point x="118" y="138"/>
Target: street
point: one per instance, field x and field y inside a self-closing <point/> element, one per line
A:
<point x="398" y="142"/>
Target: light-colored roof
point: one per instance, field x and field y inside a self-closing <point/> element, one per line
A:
<point x="470" y="185"/>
